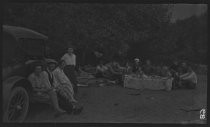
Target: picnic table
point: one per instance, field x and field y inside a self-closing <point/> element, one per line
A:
<point x="151" y="83"/>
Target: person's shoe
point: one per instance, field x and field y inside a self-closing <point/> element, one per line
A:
<point x="59" y="112"/>
<point x="77" y="110"/>
<point x="113" y="82"/>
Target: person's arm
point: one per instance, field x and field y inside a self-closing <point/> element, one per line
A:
<point x="63" y="57"/>
<point x="171" y="69"/>
<point x="57" y="76"/>
<point x="55" y="82"/>
<point x="184" y="75"/>
<point x="169" y="74"/>
<point x="32" y="81"/>
<point x="46" y="81"/>
<point x="187" y="76"/>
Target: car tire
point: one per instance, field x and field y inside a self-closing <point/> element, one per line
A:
<point x="17" y="107"/>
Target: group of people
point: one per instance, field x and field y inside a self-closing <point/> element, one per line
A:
<point x="58" y="80"/>
<point x="182" y="74"/>
<point x="112" y="71"/>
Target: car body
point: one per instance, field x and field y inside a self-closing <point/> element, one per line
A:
<point x="21" y="48"/>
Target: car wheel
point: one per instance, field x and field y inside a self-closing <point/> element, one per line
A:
<point x="18" y="105"/>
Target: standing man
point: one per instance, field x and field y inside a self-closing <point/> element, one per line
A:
<point x="69" y="69"/>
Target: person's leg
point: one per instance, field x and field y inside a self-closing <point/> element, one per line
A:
<point x="121" y="79"/>
<point x="67" y="71"/>
<point x="54" y="99"/>
<point x="70" y="73"/>
<point x="76" y="107"/>
<point x="64" y="102"/>
<point x="69" y="93"/>
<point x="74" y="80"/>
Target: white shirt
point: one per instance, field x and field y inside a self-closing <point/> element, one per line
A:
<point x="69" y="59"/>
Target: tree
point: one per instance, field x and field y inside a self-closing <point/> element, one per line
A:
<point x="116" y="29"/>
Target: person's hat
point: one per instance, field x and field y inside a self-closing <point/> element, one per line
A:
<point x="50" y="61"/>
<point x="137" y="59"/>
<point x="70" y="48"/>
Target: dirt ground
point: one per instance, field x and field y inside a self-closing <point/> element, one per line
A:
<point x="115" y="104"/>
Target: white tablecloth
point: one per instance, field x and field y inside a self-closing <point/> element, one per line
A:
<point x="148" y="83"/>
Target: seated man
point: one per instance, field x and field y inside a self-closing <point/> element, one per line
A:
<point x="59" y="87"/>
<point x="189" y="78"/>
<point x="114" y="72"/>
<point x="165" y="72"/>
<point x="174" y="68"/>
<point x="40" y="83"/>
<point x="148" y="68"/>
<point x="136" y="66"/>
<point x="64" y="86"/>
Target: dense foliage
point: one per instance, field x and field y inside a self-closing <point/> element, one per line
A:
<point x="125" y="31"/>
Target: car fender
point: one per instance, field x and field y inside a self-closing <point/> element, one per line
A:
<point x="8" y="85"/>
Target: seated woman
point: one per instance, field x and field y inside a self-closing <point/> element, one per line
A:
<point x="64" y="86"/>
<point x="101" y="70"/>
<point x="40" y="83"/>
<point x="116" y="72"/>
<point x="189" y="78"/>
<point x="136" y="66"/>
<point x="108" y="72"/>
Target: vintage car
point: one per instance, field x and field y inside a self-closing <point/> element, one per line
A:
<point x="21" y="48"/>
